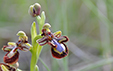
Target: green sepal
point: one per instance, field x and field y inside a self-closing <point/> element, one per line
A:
<point x="21" y="33"/>
<point x="11" y="43"/>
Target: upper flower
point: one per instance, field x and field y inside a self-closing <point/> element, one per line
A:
<point x="55" y="40"/>
<point x="34" y="10"/>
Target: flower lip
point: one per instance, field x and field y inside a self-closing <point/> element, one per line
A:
<point x="46" y="26"/>
<point x="60" y="47"/>
<point x="57" y="55"/>
<point x="11" y="60"/>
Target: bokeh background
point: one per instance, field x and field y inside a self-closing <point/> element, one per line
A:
<point x="87" y="23"/>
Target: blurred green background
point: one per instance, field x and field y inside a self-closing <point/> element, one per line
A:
<point x="88" y="24"/>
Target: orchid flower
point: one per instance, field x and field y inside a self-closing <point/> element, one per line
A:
<point x="55" y="40"/>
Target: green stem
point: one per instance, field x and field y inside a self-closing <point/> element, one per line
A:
<point x="36" y="50"/>
<point x="33" y="62"/>
<point x="39" y="51"/>
<point x="35" y="56"/>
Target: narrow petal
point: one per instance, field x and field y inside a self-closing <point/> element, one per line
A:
<point x="62" y="39"/>
<point x="42" y="41"/>
<point x="7" y="48"/>
<point x="10" y="46"/>
<point x="22" y="46"/>
<point x="57" y="34"/>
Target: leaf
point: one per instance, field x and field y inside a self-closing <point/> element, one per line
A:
<point x="43" y="17"/>
<point x="38" y="19"/>
<point x="33" y="31"/>
<point x="41" y="21"/>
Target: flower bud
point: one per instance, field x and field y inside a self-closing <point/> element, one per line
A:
<point x="34" y="10"/>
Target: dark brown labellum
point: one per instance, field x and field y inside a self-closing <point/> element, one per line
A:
<point x="57" y="55"/>
<point x="13" y="59"/>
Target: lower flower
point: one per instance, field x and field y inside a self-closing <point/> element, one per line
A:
<point x="6" y="67"/>
<point x="13" y="59"/>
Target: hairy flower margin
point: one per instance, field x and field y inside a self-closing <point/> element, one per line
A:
<point x="12" y="55"/>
